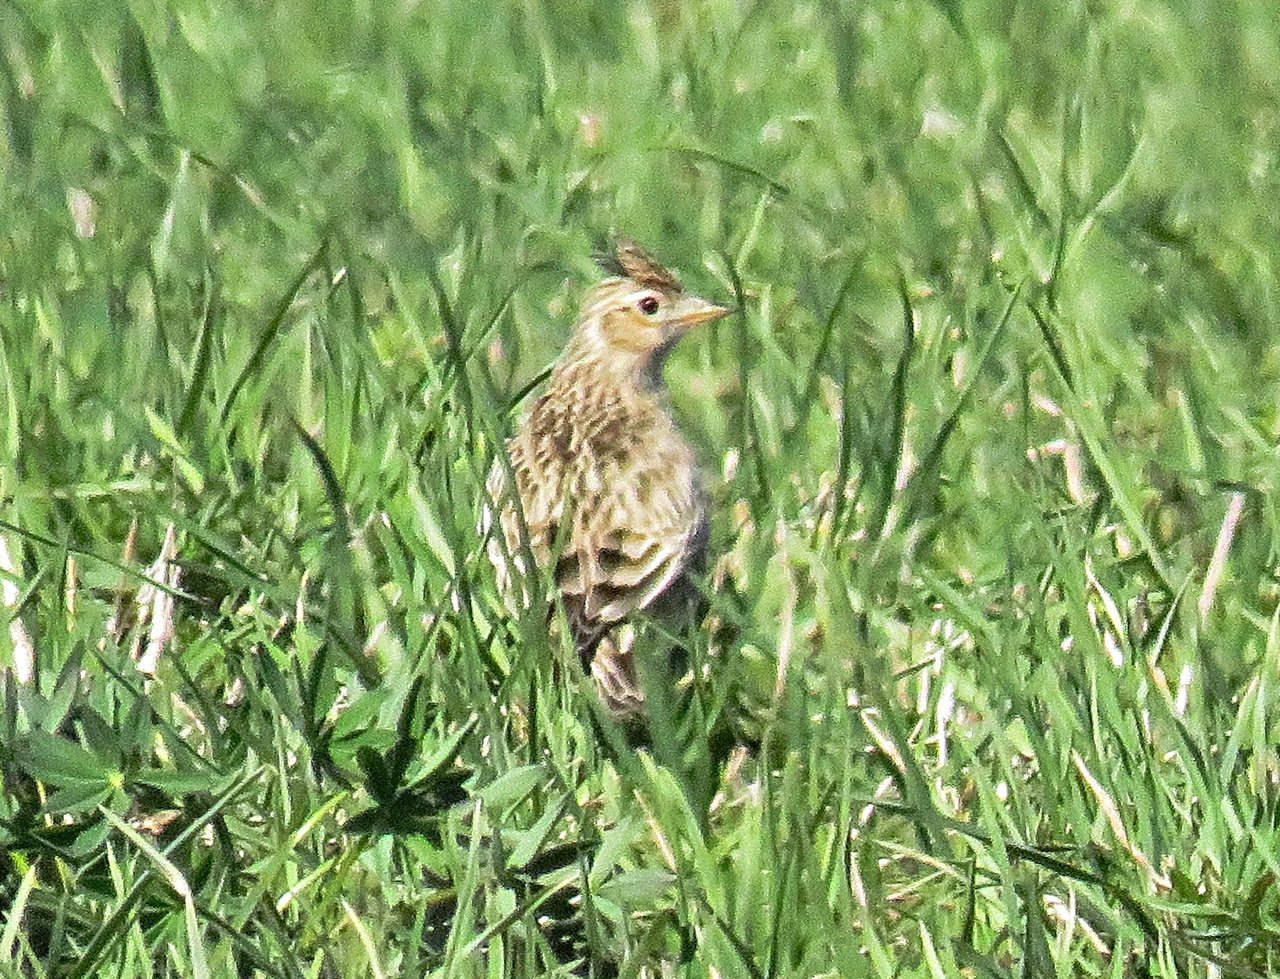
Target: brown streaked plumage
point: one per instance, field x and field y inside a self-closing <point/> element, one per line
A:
<point x="605" y="480"/>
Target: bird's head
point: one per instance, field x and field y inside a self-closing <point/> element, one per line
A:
<point x="637" y="314"/>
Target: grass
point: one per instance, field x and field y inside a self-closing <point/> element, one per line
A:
<point x="991" y="678"/>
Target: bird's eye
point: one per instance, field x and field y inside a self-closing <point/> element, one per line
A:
<point x="648" y="305"/>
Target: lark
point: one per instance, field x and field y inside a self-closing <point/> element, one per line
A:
<point x="607" y="496"/>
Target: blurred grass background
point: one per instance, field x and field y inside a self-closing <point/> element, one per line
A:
<point x="990" y="683"/>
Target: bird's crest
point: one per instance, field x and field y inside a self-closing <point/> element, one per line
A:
<point x="633" y="262"/>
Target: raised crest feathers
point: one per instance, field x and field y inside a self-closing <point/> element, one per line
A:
<point x="631" y="261"/>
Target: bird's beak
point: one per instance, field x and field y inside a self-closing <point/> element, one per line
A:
<point x="695" y="311"/>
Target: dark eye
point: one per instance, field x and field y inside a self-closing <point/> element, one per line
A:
<point x="648" y="305"/>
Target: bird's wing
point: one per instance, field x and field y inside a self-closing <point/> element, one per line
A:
<point x="619" y="540"/>
<point x="630" y="550"/>
<point x="637" y="567"/>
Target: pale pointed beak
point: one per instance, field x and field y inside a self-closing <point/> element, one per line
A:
<point x="697" y="311"/>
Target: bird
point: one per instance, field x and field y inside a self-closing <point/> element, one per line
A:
<point x="602" y="490"/>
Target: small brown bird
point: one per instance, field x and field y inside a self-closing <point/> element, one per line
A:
<point x="607" y="485"/>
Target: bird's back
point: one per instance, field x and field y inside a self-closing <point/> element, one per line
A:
<point x="607" y="486"/>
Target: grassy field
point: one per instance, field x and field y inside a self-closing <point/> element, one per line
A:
<point x="991" y="681"/>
